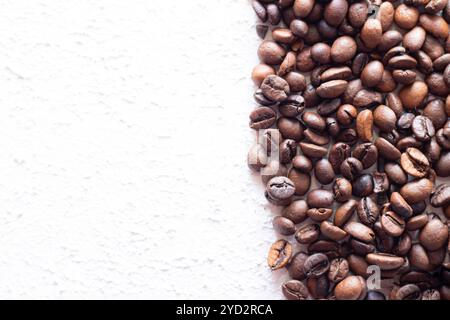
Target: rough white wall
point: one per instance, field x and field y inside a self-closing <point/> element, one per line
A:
<point x="123" y="138"/>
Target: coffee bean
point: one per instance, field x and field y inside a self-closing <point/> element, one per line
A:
<point x="393" y="101"/>
<point x="404" y="76"/>
<point x="308" y="234"/>
<point x="261" y="99"/>
<point x="417" y="190"/>
<point x="288" y="150"/>
<point x="300" y="180"/>
<point x="403" y="245"/>
<point x="320" y="198"/>
<point x="279" y="254"/>
<point x="345" y="212"/>
<point x="406" y="17"/>
<point x="295" y="290"/>
<point x="288" y="64"/>
<point x="367" y="98"/>
<point x="367" y="211"/>
<point x="336" y="73"/>
<point x="299" y="28"/>
<point x="385" y="261"/>
<point x="302" y="163"/>
<point x="314" y="121"/>
<point x="323" y="171"/>
<point x="260" y="72"/>
<point x="261" y="31"/>
<point x="361" y="248"/>
<point x="414" y="39"/>
<point x="332" y="89"/>
<point x="283" y="226"/>
<point x="372" y="73"/>
<point x="360" y="231"/>
<point x="367" y="153"/>
<point x="312" y="150"/>
<point x="318" y="287"/>
<point x="346" y="114"/>
<point x="408" y="292"/>
<point x="395" y="173"/>
<point x="414" y="162"/>
<point x="302" y="8"/>
<point x="305" y="63"/>
<point x="435" y="111"/>
<point x="384" y="118"/>
<point x="296" y="266"/>
<point x="316" y="138"/>
<point x="443" y="138"/>
<point x="387" y="150"/>
<point x="260" y="10"/>
<point x="417" y="222"/>
<point x="271" y="53"/>
<point x="262" y="118"/>
<point x="435" y="25"/>
<point x="319" y="214"/>
<point x="316" y="265"/>
<point x="296" y="81"/>
<point x="275" y="88"/>
<point x="342" y="189"/>
<point x="434" y="234"/>
<point x="400" y="206"/>
<point x="296" y="211"/>
<point x="351" y="168"/>
<point x="338" y="153"/>
<point x="351" y="288"/>
<point x="389" y="39"/>
<point x="293" y="106"/>
<point x="363" y="185"/>
<point x="273" y="14"/>
<point x="380" y="182"/>
<point x="343" y="49"/>
<point x="392" y="224"/>
<point x="339" y="270"/>
<point x="331" y="231"/>
<point x="290" y="128"/>
<point x="413" y="94"/>
<point x="441" y="196"/>
<point x="279" y="190"/>
<point x="328" y="107"/>
<point x="371" y="33"/>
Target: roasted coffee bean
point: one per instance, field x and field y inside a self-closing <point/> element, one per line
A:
<point x="344" y="212"/>
<point x="336" y="73"/>
<point x="283" y="226"/>
<point x="296" y="81"/>
<point x="328" y="107"/>
<point x="402" y="245"/>
<point x="441" y="196"/>
<point x="434" y="234"/>
<point x="304" y="61"/>
<point x="261" y="99"/>
<point x="387" y="150"/>
<point x="406" y="17"/>
<point x="367" y="98"/>
<point x="295" y="267"/>
<point x="440" y="63"/>
<point x="346" y="114"/>
<point x="404" y="76"/>
<point x="367" y="211"/>
<point x="273" y="14"/>
<point x="302" y="163"/>
<point x="372" y="73"/>
<point x="353" y="87"/>
<point x="316" y="265"/>
<point x="293" y="106"/>
<point x="417" y="190"/>
<point x="435" y="25"/>
<point x="261" y="30"/>
<point x="319" y="214"/>
<point x="332" y="89"/>
<point x="351" y="288"/>
<point x="443" y="138"/>
<point x="343" y="49"/>
<point x="320" y="198"/>
<point x="395" y="173"/>
<point x="279" y="254"/>
<point x="338" y="153"/>
<point x="371" y="33"/>
<point x="389" y="39"/>
<point x="348" y="136"/>
<point x="417" y="222"/>
<point x="400" y="206"/>
<point x="362" y="248"/>
<point x="318" y="287"/>
<point x="351" y="168"/>
<point x="405" y="121"/>
<point x="279" y="190"/>
<point x="385" y="261"/>
<point x="331" y="231"/>
<point x="308" y="234"/>
<point x="313" y="151"/>
<point x="342" y="189"/>
<point x="408" y="292"/>
<point x="339" y="270"/>
<point x="360" y="231"/>
<point x="314" y="121"/>
<point x="408" y="142"/>
<point x="413" y="94"/>
<point x="363" y="185"/>
<point x="323" y="171"/>
<point x="414" y="39"/>
<point x="296" y="211"/>
<point x="295" y="290"/>
<point x="288" y="150"/>
<point x="393" y="101"/>
<point x="392" y="224"/>
<point x="262" y="118"/>
<point x="260" y="72"/>
<point x="260" y="10"/>
<point x="367" y="153"/>
<point x="300" y="180"/>
<point x="299" y="28"/>
<point x="384" y="118"/>
<point x="275" y="88"/>
<point x="435" y="111"/>
<point x="321" y="53"/>
<point x="425" y="64"/>
<point x="436" y="84"/>
<point x="271" y="53"/>
<point x="290" y="128"/>
<point x="415" y="163"/>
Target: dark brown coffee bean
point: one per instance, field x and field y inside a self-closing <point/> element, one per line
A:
<point x="288" y="65"/>
<point x="261" y="99"/>
<point x="367" y="98"/>
<point x="436" y="84"/>
<point x="332" y="89"/>
<point x="358" y="265"/>
<point x="359" y="62"/>
<point x="351" y="168"/>
<point x="415" y="163"/>
<point x="345" y="212"/>
<point x="372" y="73"/>
<point x="441" y="62"/>
<point x="423" y="128"/>
<point x="312" y="151"/>
<point x="314" y="121"/>
<point x="443" y="138"/>
<point x="409" y="292"/>
<point x="279" y="254"/>
<point x="385" y="261"/>
<point x="260" y="10"/>
<point x="392" y="224"/>
<point x="367" y="153"/>
<point x="302" y="163"/>
<point x="336" y="73"/>
<point x="299" y="28"/>
<point x="413" y="94"/>
<point x="434" y="234"/>
<point x="403" y="61"/>
<point x="346" y="114"/>
<point x="405" y="121"/>
<point x="343" y="49"/>
<point x="386" y="15"/>
<point x="323" y="171"/>
<point x="296" y="81"/>
<point x="360" y="231"/>
<point x="363" y="185"/>
<point x="275" y="88"/>
<point x="395" y="173"/>
<point x="435" y="111"/>
<point x="283" y="226"/>
<point x="271" y="53"/>
<point x="279" y="190"/>
<point x="408" y="142"/>
<point x="338" y="153"/>
<point x="425" y="64"/>
<point x="417" y="190"/>
<point x="290" y="128"/>
<point x="302" y="8"/>
<point x="389" y="39"/>
<point x="441" y="196"/>
<point x="351" y="288"/>
<point x="262" y="118"/>
<point x="321" y="53"/>
<point x="384" y="118"/>
<point x="316" y="138"/>
<point x="288" y="150"/>
<point x="296" y="211"/>
<point x="339" y="270"/>
<point x="293" y="106"/>
<point x="318" y="287"/>
<point x="404" y="76"/>
<point x="357" y="14"/>
<point x="331" y="231"/>
<point x="319" y="214"/>
<point x="348" y="136"/>
<point x="387" y="150"/>
<point x="414" y="39"/>
<point x="402" y="245"/>
<point x="362" y="248"/>
<point x="342" y="189"/>
<point x="300" y="180"/>
<point x="296" y="266"/>
<point x="328" y="107"/>
<point x="304" y="61"/>
<point x="307" y="233"/>
<point x="295" y="290"/>
<point x="417" y="222"/>
<point x="367" y="211"/>
<point x="387" y="83"/>
<point x="316" y="265"/>
<point x="393" y="101"/>
<point x="400" y="206"/>
<point x="371" y="33"/>
<point x="320" y="198"/>
<point x="273" y="14"/>
<point x="326" y="31"/>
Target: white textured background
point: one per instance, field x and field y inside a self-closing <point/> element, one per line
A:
<point x="123" y="141"/>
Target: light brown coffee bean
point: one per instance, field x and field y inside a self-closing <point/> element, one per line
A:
<point x="406" y="17"/>
<point x="415" y="163"/>
<point x="279" y="254"/>
<point x="343" y="49"/>
<point x="417" y="190"/>
<point x="386" y="15"/>
<point x="371" y="33"/>
<point x="372" y="73"/>
<point x="413" y="95"/>
<point x="364" y="125"/>
<point x="414" y="39"/>
<point x="271" y="53"/>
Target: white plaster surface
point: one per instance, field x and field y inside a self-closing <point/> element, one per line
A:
<point x="123" y="141"/>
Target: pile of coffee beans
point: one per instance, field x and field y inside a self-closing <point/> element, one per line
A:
<point x="353" y="143"/>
